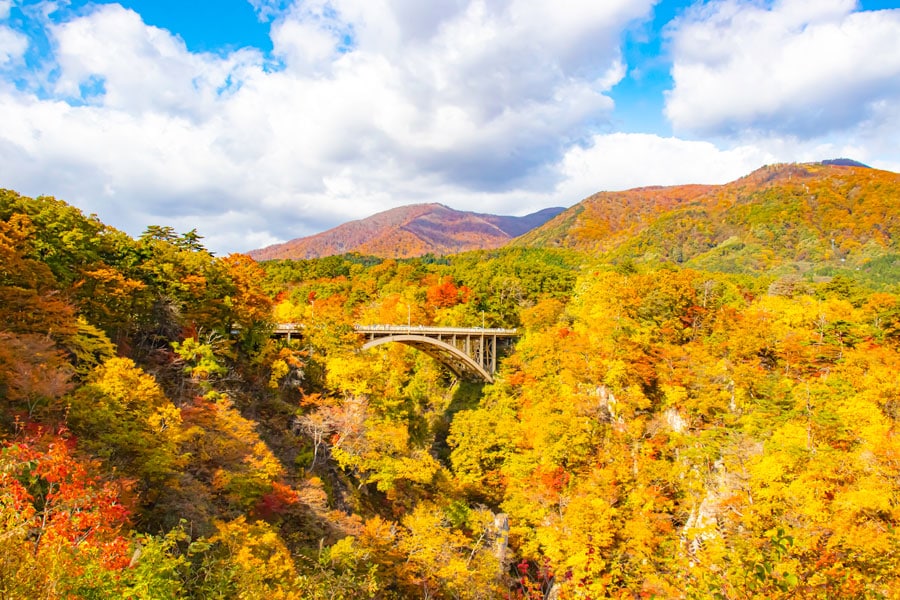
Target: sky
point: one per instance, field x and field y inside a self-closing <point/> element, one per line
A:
<point x="259" y="121"/>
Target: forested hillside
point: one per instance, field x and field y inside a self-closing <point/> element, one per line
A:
<point x="658" y="431"/>
<point x="807" y="219"/>
<point x="410" y="231"/>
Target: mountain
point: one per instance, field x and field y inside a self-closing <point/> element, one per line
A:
<point x="790" y="218"/>
<point x="410" y="231"/>
<point x="845" y="162"/>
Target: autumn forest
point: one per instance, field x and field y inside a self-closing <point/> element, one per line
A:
<point x="702" y="403"/>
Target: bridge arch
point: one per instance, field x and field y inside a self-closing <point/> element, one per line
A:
<point x="455" y="359"/>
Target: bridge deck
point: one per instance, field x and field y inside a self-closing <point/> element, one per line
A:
<point x="287" y="328"/>
<point x="431" y="330"/>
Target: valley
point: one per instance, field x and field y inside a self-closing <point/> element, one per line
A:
<point x="698" y="399"/>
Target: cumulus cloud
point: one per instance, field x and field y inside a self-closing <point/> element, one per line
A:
<point x="112" y="59"/>
<point x="363" y="105"/>
<point x="793" y="67"/>
<point x="12" y="46"/>
<point x="620" y="161"/>
<point x="12" y="43"/>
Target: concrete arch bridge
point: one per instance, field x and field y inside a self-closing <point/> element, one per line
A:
<point x="469" y="352"/>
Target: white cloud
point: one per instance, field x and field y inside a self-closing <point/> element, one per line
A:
<point x="140" y="68"/>
<point x="792" y="67"/>
<point x="369" y="104"/>
<point x="374" y="103"/>
<point x="621" y="161"/>
<point x="12" y="46"/>
<point x="5" y="6"/>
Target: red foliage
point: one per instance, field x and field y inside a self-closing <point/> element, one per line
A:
<point x="61" y="501"/>
<point x="275" y="502"/>
<point x="553" y="479"/>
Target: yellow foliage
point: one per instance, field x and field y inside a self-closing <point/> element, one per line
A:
<point x="256" y="561"/>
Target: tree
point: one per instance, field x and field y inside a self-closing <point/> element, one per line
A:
<point x="34" y="375"/>
<point x="123" y="416"/>
<point x="62" y="527"/>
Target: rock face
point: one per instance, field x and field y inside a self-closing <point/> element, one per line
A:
<point x="411" y="231"/>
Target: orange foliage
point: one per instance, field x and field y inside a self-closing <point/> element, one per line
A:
<point x="446" y="294"/>
<point x="58" y="500"/>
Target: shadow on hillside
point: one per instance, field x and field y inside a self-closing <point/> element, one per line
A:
<point x="466" y="396"/>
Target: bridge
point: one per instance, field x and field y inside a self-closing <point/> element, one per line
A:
<point x="469" y="352"/>
<point x="288" y="330"/>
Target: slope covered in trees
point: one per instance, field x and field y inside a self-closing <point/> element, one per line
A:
<point x="788" y="219"/>
<point x="410" y="231"/>
<point x="658" y="431"/>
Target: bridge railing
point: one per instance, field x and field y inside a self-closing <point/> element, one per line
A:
<point x="432" y="330"/>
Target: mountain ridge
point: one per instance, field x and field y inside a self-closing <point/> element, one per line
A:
<point x="409" y="231"/>
<point x="790" y="218"/>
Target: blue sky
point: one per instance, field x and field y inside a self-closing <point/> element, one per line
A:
<point x="257" y="121"/>
<point x="204" y="25"/>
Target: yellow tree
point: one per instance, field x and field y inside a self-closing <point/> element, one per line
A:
<point x="123" y="416"/>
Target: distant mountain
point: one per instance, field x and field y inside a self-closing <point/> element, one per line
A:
<point x="845" y="162"/>
<point x="410" y="231"/>
<point x="782" y="219"/>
